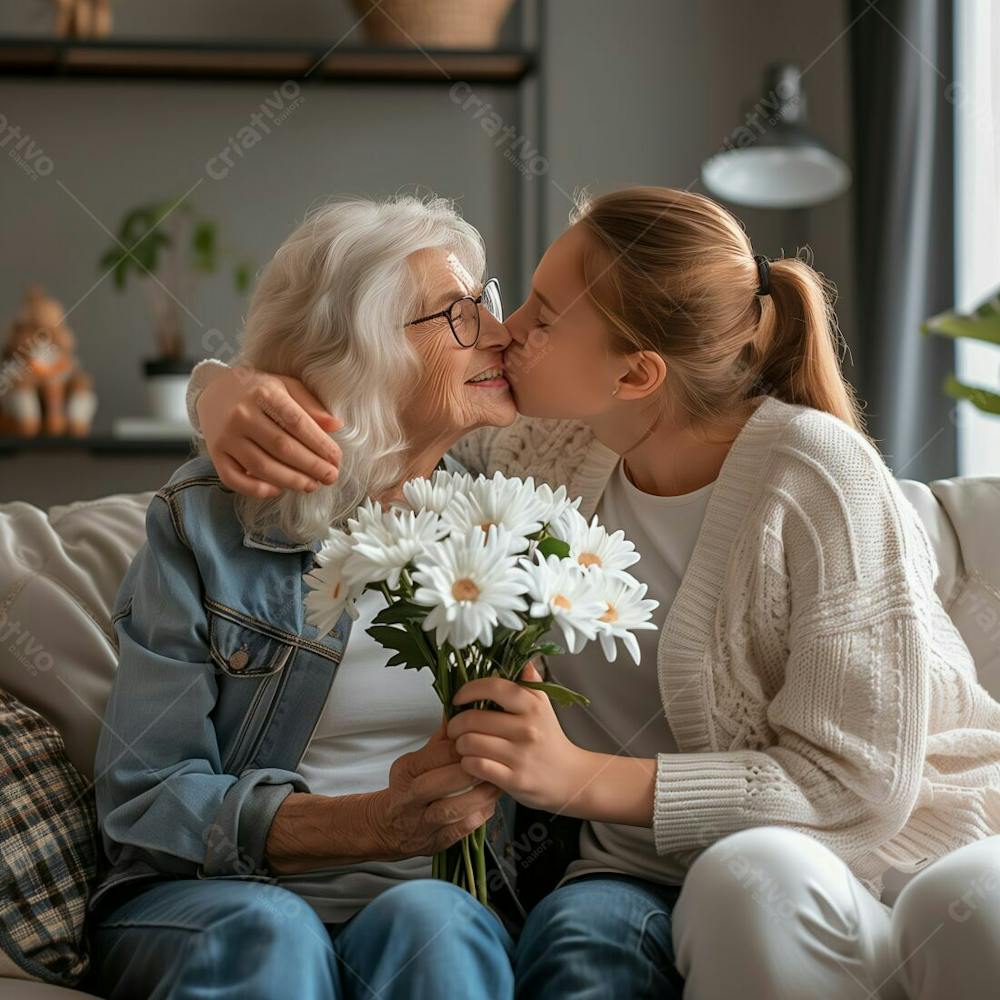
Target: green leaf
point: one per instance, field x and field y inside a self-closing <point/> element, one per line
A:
<point x="242" y="275"/>
<point x="559" y="694"/>
<point x="203" y="243"/>
<point x="983" y="323"/>
<point x="554" y="547"/>
<point x="409" y="650"/>
<point x="547" y="649"/>
<point x="983" y="399"/>
<point x="399" y="612"/>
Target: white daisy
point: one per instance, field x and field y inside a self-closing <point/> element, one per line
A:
<point x="627" y="609"/>
<point x="330" y="593"/>
<point x="507" y="503"/>
<point x="556" y="508"/>
<point x="435" y="493"/>
<point x="592" y="545"/>
<point x="384" y="549"/>
<point x="560" y="588"/>
<point x="470" y="583"/>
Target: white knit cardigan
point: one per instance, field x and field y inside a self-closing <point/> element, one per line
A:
<point x="809" y="673"/>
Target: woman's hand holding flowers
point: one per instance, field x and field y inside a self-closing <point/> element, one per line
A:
<point x="523" y="749"/>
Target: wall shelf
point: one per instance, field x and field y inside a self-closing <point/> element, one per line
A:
<point x="97" y="444"/>
<point x="227" y="61"/>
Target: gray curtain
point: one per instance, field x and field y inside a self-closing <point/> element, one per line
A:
<point x="901" y="67"/>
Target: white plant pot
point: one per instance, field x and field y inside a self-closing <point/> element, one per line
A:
<point x="166" y="388"/>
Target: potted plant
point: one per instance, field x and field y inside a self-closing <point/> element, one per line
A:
<point x="168" y="247"/>
<point x="983" y="323"/>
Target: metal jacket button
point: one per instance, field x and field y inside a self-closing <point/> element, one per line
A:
<point x="238" y="660"/>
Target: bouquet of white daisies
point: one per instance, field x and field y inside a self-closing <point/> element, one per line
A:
<point x="476" y="575"/>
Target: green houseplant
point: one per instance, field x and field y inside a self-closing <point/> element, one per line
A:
<point x="166" y="247"/>
<point x="983" y="323"/>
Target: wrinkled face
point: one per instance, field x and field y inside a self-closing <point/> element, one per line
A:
<point x="447" y="402"/>
<point x="558" y="362"/>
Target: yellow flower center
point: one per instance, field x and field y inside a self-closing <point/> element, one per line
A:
<point x="486" y="525"/>
<point x="464" y="590"/>
<point x="562" y="601"/>
<point x="610" y="616"/>
<point x="589" y="559"/>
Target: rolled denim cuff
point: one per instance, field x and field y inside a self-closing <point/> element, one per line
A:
<point x="236" y="840"/>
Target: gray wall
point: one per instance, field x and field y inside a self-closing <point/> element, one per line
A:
<point x="639" y="91"/>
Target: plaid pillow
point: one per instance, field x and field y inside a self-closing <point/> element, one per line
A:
<point x="48" y="849"/>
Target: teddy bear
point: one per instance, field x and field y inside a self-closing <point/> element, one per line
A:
<point x="41" y="382"/>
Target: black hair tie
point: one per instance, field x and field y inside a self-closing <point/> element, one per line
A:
<point x="763" y="274"/>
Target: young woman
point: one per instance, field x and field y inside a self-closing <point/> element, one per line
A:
<point x="807" y="718"/>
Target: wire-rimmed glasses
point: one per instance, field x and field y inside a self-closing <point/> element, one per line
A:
<point x="463" y="313"/>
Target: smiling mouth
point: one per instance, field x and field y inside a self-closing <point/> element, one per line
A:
<point x="488" y="379"/>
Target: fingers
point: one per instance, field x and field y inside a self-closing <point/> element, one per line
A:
<point x="491" y="747"/>
<point x="441" y="782"/>
<point x="258" y="464"/>
<point x="292" y="453"/>
<point x="314" y="408"/>
<point x="507" y="725"/>
<point x="434" y="754"/>
<point x="504" y="692"/>
<point x="441" y="733"/>
<point x="232" y="474"/>
<point x="491" y="772"/>
<point x="475" y="806"/>
<point x="302" y="415"/>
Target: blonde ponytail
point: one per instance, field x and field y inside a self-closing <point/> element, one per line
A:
<point x="797" y="329"/>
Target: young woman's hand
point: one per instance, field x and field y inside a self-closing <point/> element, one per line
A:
<point x="523" y="749"/>
<point x="267" y="433"/>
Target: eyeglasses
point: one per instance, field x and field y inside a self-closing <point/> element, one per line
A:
<point x="463" y="313"/>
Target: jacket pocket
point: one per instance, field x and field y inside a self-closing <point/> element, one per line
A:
<point x="242" y="651"/>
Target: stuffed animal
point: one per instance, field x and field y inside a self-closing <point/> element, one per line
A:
<point x="41" y="382"/>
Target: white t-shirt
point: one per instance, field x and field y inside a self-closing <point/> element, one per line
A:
<point x="626" y="709"/>
<point x="372" y="715"/>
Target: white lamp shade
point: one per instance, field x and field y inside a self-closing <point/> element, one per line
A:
<point x="794" y="176"/>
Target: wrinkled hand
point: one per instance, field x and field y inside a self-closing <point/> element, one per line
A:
<point x="523" y="749"/>
<point x="431" y="802"/>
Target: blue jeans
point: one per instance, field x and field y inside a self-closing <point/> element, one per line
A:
<point x="247" y="940"/>
<point x="599" y="936"/>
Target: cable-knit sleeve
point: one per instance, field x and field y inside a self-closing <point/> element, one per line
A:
<point x="201" y="375"/>
<point x="844" y="736"/>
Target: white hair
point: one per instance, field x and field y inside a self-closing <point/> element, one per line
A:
<point x="330" y="309"/>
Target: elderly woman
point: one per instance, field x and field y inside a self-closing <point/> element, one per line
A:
<point x="269" y="832"/>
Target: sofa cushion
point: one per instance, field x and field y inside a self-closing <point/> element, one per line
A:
<point x="962" y="518"/>
<point x="59" y="573"/>
<point x="48" y="828"/>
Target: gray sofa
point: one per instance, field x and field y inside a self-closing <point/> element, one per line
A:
<point x="60" y="570"/>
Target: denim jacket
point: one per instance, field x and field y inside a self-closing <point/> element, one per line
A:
<point x="219" y="687"/>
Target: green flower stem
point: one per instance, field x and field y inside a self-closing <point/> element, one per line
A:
<point x="462" y="672"/>
<point x="480" y="836"/>
<point x="469" y="874"/>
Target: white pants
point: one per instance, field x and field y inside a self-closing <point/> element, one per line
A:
<point x="773" y="914"/>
